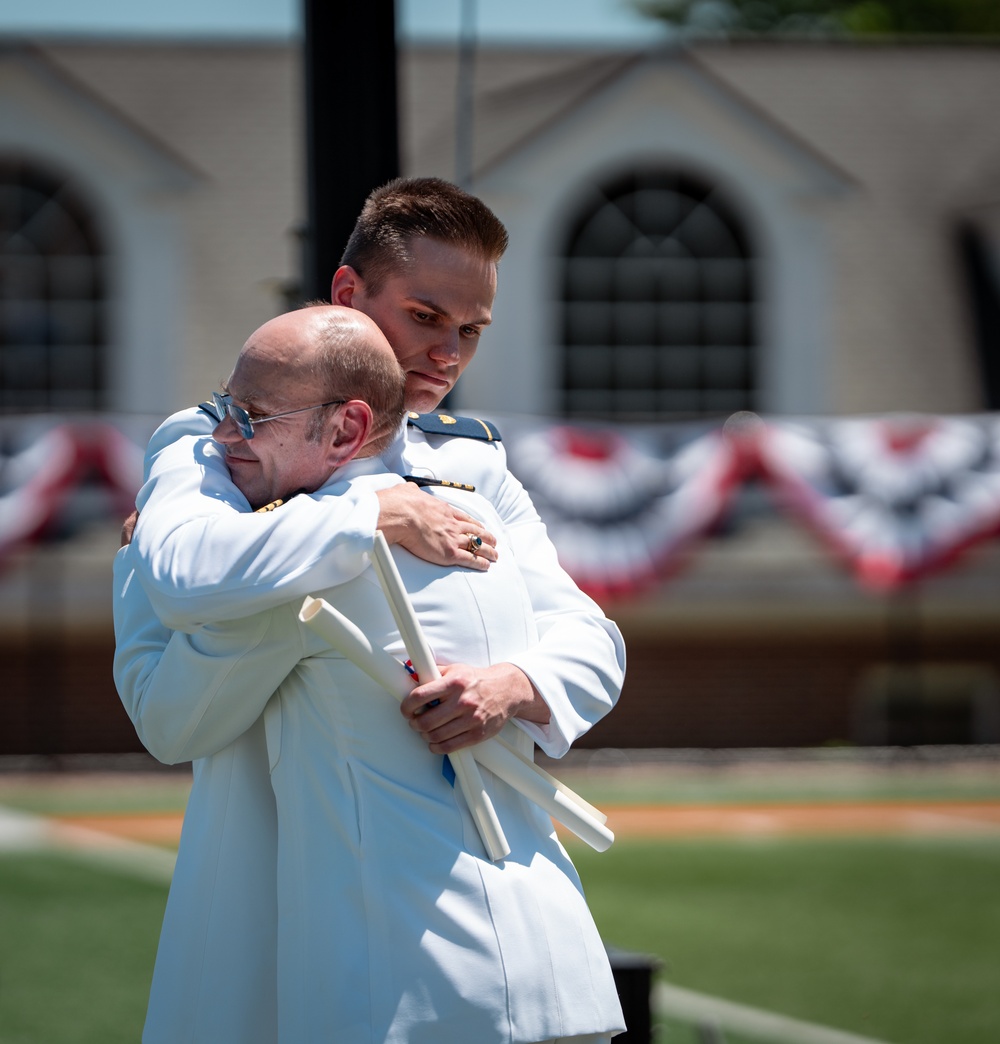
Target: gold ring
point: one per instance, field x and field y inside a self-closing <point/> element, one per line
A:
<point x="475" y="543"/>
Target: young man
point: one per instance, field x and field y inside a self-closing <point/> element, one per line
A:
<point x="391" y="925"/>
<point x="422" y="262"/>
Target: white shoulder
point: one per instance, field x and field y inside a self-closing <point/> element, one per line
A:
<point x="192" y="421"/>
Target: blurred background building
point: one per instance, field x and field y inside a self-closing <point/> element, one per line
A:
<point x="744" y="351"/>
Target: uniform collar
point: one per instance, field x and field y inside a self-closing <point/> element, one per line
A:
<point x="355" y="468"/>
<point x="390" y="460"/>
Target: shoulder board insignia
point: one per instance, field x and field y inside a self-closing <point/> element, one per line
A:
<point x="269" y="507"/>
<point x="275" y="504"/>
<point x="463" y="427"/>
<point x="420" y="480"/>
<point x="209" y="408"/>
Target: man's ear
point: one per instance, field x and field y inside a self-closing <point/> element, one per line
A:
<point x="345" y="283"/>
<point x="354" y="424"/>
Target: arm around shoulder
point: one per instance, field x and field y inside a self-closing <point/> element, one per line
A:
<point x="203" y="556"/>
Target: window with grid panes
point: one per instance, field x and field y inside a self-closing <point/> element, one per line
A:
<point x="52" y="294"/>
<point x="658" y="301"/>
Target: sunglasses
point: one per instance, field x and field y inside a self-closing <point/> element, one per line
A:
<point x="245" y="423"/>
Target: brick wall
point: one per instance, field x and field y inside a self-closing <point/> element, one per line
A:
<point x="767" y="691"/>
<point x="61" y="699"/>
<point x="710" y="690"/>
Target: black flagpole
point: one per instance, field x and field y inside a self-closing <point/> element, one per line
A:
<point x="351" y="124"/>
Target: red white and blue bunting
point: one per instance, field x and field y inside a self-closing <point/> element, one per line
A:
<point x="623" y="505"/>
<point x="894" y="497"/>
<point x="45" y="462"/>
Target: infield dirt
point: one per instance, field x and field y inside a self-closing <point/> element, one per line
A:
<point x="857" y="819"/>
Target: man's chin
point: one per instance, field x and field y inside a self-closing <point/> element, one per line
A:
<point x="420" y="399"/>
<point x="255" y="498"/>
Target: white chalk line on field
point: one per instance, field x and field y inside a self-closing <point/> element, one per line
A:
<point x="24" y="832"/>
<point x="755" y="1023"/>
<point x="929" y="821"/>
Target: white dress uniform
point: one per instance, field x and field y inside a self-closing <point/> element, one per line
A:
<point x="226" y="862"/>
<point x="202" y="558"/>
<point x="393" y="925"/>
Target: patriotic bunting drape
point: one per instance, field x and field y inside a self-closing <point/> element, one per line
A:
<point x="897" y="497"/>
<point x="44" y="464"/>
<point x="894" y="496"/>
<point x="622" y="506"/>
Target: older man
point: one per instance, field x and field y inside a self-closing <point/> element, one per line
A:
<point x="391" y="926"/>
<point x="216" y="969"/>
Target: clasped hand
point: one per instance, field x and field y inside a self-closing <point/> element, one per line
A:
<point x="468" y="705"/>
<point x="433" y="529"/>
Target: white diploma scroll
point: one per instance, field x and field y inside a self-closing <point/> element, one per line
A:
<point x="470" y="782"/>
<point x="507" y="764"/>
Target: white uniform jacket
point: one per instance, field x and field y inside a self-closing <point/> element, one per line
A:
<point x="393" y="926"/>
<point x="228" y="826"/>
<point x="202" y="557"/>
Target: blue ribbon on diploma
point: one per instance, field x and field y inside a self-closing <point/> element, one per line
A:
<point x="446" y="767"/>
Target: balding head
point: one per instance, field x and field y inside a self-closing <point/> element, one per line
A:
<point x="291" y="365"/>
<point x="324" y="352"/>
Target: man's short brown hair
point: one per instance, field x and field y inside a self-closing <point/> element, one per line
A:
<point x="409" y="208"/>
<point x="348" y="368"/>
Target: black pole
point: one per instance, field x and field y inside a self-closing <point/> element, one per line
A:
<point x="465" y="103"/>
<point x="351" y="124"/>
<point x="983" y="290"/>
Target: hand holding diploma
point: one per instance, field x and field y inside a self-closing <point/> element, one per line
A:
<point x="469" y="780"/>
<point x="495" y="754"/>
<point x="469" y="704"/>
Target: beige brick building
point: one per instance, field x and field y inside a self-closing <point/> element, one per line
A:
<point x="855" y="190"/>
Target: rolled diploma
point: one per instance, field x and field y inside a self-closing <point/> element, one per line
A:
<point x="556" y="784"/>
<point x="555" y="798"/>
<point x="467" y="775"/>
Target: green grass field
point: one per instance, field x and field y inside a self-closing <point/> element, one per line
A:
<point x="895" y="939"/>
<point x="76" y="951"/>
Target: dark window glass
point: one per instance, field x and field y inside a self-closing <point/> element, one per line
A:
<point x="658" y="303"/>
<point x="52" y="294"/>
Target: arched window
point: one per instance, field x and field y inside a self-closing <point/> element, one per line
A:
<point x="658" y="303"/>
<point x="52" y="294"/>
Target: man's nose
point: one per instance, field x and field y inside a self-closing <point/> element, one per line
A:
<point x="445" y="348"/>
<point x="226" y="431"/>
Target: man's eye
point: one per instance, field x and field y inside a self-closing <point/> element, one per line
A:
<point x="470" y="331"/>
